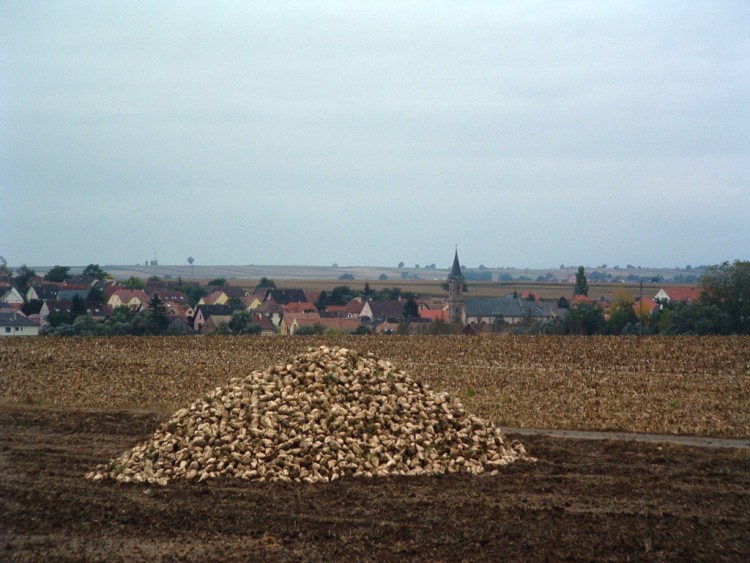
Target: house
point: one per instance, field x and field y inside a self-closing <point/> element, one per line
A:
<point x="380" y="311"/>
<point x="300" y="307"/>
<point x="293" y="320"/>
<point x="678" y="293"/>
<point x="178" y="327"/>
<point x="176" y="303"/>
<point x="351" y="310"/>
<point x="204" y="312"/>
<point x="266" y="326"/>
<point x="333" y="324"/>
<point x="17" y="324"/>
<point x="251" y="302"/>
<point x="434" y="314"/>
<point x="269" y="308"/>
<point x="42" y="292"/>
<point x="11" y="295"/>
<point x="80" y="282"/>
<point x="97" y="311"/>
<point x="487" y="309"/>
<point x="135" y="299"/>
<point x="286" y="296"/>
<point x="68" y="294"/>
<point x="172" y="296"/>
<point x="183" y="312"/>
<point x="221" y="295"/>
<point x="213" y="322"/>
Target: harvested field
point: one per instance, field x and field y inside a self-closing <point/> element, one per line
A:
<point x="583" y="500"/>
<point x="679" y="385"/>
<point x="68" y="405"/>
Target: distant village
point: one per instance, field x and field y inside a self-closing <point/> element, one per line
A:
<point x="96" y="304"/>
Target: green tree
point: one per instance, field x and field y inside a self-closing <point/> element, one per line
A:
<point x="58" y="318"/>
<point x="57" y="274"/>
<point x="32" y="307"/>
<point x="94" y="271"/>
<point x="217" y="281"/>
<point x="388" y="294"/>
<point x="242" y="323"/>
<point x="134" y="282"/>
<point x="78" y="308"/>
<point x="582" y="286"/>
<point x="586" y="318"/>
<point x="367" y="292"/>
<point x="309" y="330"/>
<point x="727" y="287"/>
<point x="193" y="291"/>
<point x="621" y="315"/>
<point x="411" y="309"/>
<point x="23" y="277"/>
<point x="697" y="318"/>
<point x="4" y="270"/>
<point x="265" y="282"/>
<point x="158" y="312"/>
<point x="96" y="295"/>
<point x="323" y="301"/>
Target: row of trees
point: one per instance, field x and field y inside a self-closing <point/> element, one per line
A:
<point x="153" y="320"/>
<point x="723" y="308"/>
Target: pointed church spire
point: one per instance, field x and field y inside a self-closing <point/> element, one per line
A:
<point x="455" y="301"/>
<point x="456" y="269"/>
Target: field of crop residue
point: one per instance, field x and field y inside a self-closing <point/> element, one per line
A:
<point x="681" y="385"/>
<point x="69" y="405"/>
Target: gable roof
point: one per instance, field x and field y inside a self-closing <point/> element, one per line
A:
<point x="16" y="319"/>
<point x="682" y="293"/>
<point x="508" y="307"/>
<point x="386" y="309"/>
<point x="44" y="291"/>
<point x="286" y="296"/>
<point x="209" y="310"/>
<point x="127" y="295"/>
<point x="69" y="294"/>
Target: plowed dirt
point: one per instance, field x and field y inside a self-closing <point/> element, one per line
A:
<point x="583" y="499"/>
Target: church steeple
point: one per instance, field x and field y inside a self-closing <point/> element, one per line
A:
<point x="456" y="269"/>
<point x="455" y="301"/>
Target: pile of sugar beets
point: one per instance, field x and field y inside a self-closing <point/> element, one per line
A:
<point x="329" y="413"/>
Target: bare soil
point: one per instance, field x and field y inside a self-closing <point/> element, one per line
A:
<point x="583" y="499"/>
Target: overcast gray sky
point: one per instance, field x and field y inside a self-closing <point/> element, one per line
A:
<point x="366" y="133"/>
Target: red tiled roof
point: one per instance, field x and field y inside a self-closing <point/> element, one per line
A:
<point x="300" y="307"/>
<point x="434" y="314"/>
<point x="683" y="293"/>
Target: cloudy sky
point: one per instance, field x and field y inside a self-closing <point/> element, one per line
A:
<point x="529" y="133"/>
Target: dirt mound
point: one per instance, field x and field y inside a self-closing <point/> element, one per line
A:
<point x="327" y="414"/>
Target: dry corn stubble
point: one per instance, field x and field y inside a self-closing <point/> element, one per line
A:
<point x="681" y="385"/>
<point x="327" y="414"/>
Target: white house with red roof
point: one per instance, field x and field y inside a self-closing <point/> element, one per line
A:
<point x="678" y="293"/>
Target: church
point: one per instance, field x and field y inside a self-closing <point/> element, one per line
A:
<point x="455" y="301"/>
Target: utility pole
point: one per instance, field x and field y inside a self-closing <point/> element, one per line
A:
<point x="640" y="316"/>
